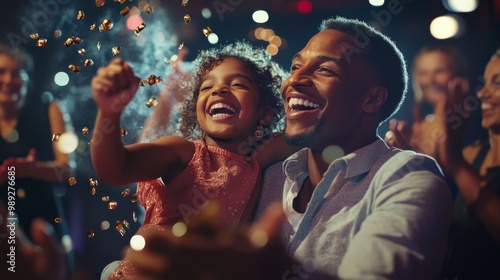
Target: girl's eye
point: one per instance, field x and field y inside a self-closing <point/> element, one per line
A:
<point x="205" y="88"/>
<point x="294" y="67"/>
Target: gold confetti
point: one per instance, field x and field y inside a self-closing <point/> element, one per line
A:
<point x="125" y="11"/>
<point x="41" y="42"/>
<point x="77" y="40"/>
<point x="181" y="46"/>
<point x="123" y="132"/>
<point x="82" y="51"/>
<point x="90" y="233"/>
<point x="149" y="10"/>
<point x="152" y="102"/>
<point x="92" y="27"/>
<point x="187" y="18"/>
<point x="57" y="220"/>
<point x="93" y="191"/>
<point x="98" y="45"/>
<point x="80" y="15"/>
<point x="69" y="42"/>
<point x="133" y="198"/>
<point x="72" y="181"/>
<point x="74" y="68"/>
<point x="85" y="131"/>
<point x="119" y="227"/>
<point x="107" y="24"/>
<point x="116" y="50"/>
<point x="143" y="83"/>
<point x="184" y="3"/>
<point x="88" y="62"/>
<point x="100" y="3"/>
<point x="34" y="36"/>
<point x="93" y="182"/>
<point x="125" y="193"/>
<point x="207" y="31"/>
<point x="122" y="231"/>
<point x="21" y="193"/>
<point x="139" y="28"/>
<point x="126" y="224"/>
<point x="55" y="137"/>
<point x="134" y="217"/>
<point x="57" y="33"/>
<point x="105" y="198"/>
<point x="112" y="205"/>
<point x="120" y="1"/>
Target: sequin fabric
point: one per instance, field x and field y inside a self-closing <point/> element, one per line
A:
<point x="213" y="174"/>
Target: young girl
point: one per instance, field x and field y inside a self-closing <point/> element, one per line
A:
<point x="234" y="107"/>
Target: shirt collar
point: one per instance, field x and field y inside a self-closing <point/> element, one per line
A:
<point x="358" y="162"/>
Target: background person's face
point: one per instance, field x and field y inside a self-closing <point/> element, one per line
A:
<point x="490" y="96"/>
<point x="432" y="72"/>
<point x="11" y="82"/>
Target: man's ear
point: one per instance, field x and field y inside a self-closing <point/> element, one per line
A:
<point x="375" y="99"/>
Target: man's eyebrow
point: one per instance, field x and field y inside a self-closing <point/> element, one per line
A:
<point x="336" y="60"/>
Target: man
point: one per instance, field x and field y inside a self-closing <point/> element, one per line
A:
<point x="368" y="213"/>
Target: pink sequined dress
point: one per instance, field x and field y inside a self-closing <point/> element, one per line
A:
<point x="213" y="174"/>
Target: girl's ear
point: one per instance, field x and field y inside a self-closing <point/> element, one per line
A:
<point x="375" y="98"/>
<point x="266" y="116"/>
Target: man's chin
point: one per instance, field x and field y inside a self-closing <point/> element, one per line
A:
<point x="299" y="140"/>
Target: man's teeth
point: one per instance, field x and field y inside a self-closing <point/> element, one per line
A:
<point x="221" y="106"/>
<point x="302" y="102"/>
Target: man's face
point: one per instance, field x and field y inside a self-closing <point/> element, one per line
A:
<point x="433" y="73"/>
<point x="324" y="94"/>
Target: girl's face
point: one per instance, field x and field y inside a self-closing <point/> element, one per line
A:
<point x="490" y="96"/>
<point x="11" y="82"/>
<point x="227" y="106"/>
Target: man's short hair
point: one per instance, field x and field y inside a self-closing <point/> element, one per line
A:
<point x="383" y="54"/>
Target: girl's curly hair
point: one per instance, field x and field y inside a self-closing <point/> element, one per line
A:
<point x="268" y="77"/>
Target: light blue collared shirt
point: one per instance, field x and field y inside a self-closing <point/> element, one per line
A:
<point x="378" y="213"/>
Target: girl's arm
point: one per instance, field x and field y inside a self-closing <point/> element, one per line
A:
<point x="275" y="149"/>
<point x="113" y="88"/>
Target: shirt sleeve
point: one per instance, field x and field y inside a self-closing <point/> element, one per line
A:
<point x="405" y="235"/>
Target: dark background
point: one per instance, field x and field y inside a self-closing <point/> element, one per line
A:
<point x="409" y="28"/>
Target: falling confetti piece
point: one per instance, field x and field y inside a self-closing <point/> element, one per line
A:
<point x="92" y="27"/>
<point x="88" y="62"/>
<point x="93" y="191"/>
<point x="122" y="231"/>
<point x="139" y="28"/>
<point x="105" y="198"/>
<point x="100" y="3"/>
<point x="82" y="51"/>
<point x="72" y="181"/>
<point x="90" y="233"/>
<point x="187" y="18"/>
<point x="112" y="205"/>
<point x="123" y="132"/>
<point x="98" y="45"/>
<point x="77" y="40"/>
<point x="152" y="102"/>
<point x="184" y="3"/>
<point x="80" y="15"/>
<point x="57" y="220"/>
<point x="120" y="1"/>
<point x="133" y="198"/>
<point x="57" y="33"/>
<point x="41" y="42"/>
<point x="34" y="36"/>
<point x="207" y="31"/>
<point x="181" y="46"/>
<point x="85" y="131"/>
<point x="93" y="182"/>
<point x="55" y="137"/>
<point x="134" y="217"/>
<point x="74" y="68"/>
<point x="101" y="28"/>
<point x="125" y="193"/>
<point x="125" y="11"/>
<point x="21" y="193"/>
<point x="69" y="42"/>
<point x="126" y="223"/>
<point x="116" y="50"/>
<point x="148" y="10"/>
<point x="107" y="24"/>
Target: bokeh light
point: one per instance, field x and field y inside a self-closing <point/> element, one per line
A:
<point x="445" y="27"/>
<point x="61" y="79"/>
<point x="376" y="3"/>
<point x="179" y="229"/>
<point x="133" y="21"/>
<point x="304" y="7"/>
<point x="461" y="6"/>
<point x="137" y="242"/>
<point x="67" y="142"/>
<point x="206" y="13"/>
<point x="332" y="153"/>
<point x="260" y="16"/>
<point x="213" y="38"/>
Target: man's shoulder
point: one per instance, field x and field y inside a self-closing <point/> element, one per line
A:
<point x="402" y="162"/>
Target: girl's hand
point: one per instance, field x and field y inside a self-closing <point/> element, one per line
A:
<point x="114" y="86"/>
